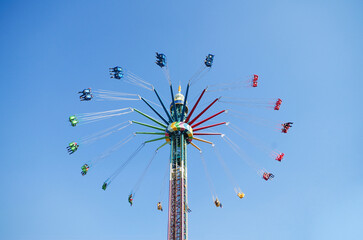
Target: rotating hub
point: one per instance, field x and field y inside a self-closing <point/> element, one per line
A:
<point x="179" y="128"/>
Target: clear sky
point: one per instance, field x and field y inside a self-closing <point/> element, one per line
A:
<point x="309" y="53"/>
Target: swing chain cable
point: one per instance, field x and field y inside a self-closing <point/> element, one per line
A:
<point x="254" y="119"/>
<point x="200" y="76"/>
<point x="196" y="74"/>
<point x="226" y="169"/>
<point x="209" y="179"/>
<point x="259" y="144"/>
<point x="111" y="150"/>
<point x="240" y="153"/>
<point x="94" y="117"/>
<point x="104" y="133"/>
<point x="138" y="183"/>
<point x="102" y="95"/>
<point x="138" y="81"/>
<point x="163" y="184"/>
<point x="132" y="156"/>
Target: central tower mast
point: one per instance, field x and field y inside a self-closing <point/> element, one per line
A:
<point x="178" y="190"/>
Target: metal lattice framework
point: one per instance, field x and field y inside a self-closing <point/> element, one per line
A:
<point x="178" y="219"/>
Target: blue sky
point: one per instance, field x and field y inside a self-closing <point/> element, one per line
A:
<point x="308" y="53"/>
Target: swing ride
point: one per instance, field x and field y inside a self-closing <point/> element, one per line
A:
<point x="178" y="126"/>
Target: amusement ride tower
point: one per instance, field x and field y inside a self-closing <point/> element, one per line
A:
<point x="178" y="188"/>
<point x="178" y="129"/>
<point x="179" y="134"/>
